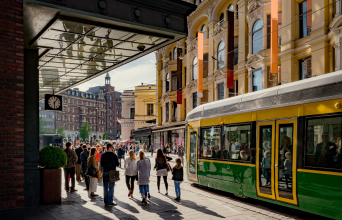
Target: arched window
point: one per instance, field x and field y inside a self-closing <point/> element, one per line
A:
<point x="170" y="55"/>
<point x="220" y="55"/>
<point x="194" y="68"/>
<point x="110" y="97"/>
<point x="167" y="82"/>
<point x="231" y="7"/>
<point x="257" y="36"/>
<point x="175" y="53"/>
<point x="221" y="17"/>
<point x="204" y="30"/>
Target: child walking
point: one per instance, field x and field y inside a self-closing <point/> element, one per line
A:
<point x="177" y="176"/>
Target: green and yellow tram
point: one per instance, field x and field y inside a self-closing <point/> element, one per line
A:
<point x="281" y="145"/>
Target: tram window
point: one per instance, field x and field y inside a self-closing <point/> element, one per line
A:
<point x="323" y="142"/>
<point x="237" y="143"/>
<point x="210" y="142"/>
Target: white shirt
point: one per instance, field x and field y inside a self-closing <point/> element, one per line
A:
<point x="131" y="167"/>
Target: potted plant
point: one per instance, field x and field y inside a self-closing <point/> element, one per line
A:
<point x="51" y="159"/>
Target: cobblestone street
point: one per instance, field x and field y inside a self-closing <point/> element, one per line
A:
<point x="196" y="203"/>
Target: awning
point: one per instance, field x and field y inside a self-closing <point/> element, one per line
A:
<point x="142" y="132"/>
<point x="169" y="129"/>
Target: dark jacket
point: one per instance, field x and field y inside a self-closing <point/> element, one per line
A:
<point x="177" y="174"/>
<point x="78" y="152"/>
<point x="71" y="158"/>
<point x="84" y="157"/>
<point x="120" y="153"/>
<point x="109" y="161"/>
<point x="161" y="165"/>
<point x="330" y="149"/>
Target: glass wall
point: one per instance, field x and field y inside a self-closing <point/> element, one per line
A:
<point x="177" y="138"/>
<point x="210" y="145"/>
<point x="158" y="139"/>
<point x="237" y="142"/>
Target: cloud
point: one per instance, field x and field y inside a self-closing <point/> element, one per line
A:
<point x="128" y="76"/>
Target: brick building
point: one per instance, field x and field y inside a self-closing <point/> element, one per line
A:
<point x="113" y="107"/>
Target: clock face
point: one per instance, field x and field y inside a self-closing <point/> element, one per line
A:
<point x="54" y="102"/>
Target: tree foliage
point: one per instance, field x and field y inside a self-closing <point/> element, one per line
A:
<point x="105" y="136"/>
<point x="42" y="124"/>
<point x="60" y="131"/>
<point x="52" y="157"/>
<point x="85" y="131"/>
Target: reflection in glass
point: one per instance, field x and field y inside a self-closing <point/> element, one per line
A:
<point x="323" y="142"/>
<point x="237" y="143"/>
<point x="257" y="36"/>
<point x="220" y="55"/>
<point x="285" y="160"/>
<point x="210" y="142"/>
<point x="193" y="156"/>
<point x="194" y="69"/>
<point x="257" y="80"/>
<point x="265" y="153"/>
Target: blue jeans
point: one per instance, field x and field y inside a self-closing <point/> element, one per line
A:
<point x="151" y="153"/>
<point x="177" y="187"/>
<point x="108" y="189"/>
<point x="120" y="161"/>
<point x="143" y="190"/>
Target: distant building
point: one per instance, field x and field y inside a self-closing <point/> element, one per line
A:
<point x="49" y="117"/>
<point x="113" y="107"/>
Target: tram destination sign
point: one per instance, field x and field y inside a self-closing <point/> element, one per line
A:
<point x="53" y="102"/>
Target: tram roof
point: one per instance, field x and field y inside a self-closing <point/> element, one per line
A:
<point x="319" y="88"/>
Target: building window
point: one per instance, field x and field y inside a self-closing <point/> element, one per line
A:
<point x="257" y="36"/>
<point x="194" y="100"/>
<point x="220" y="55"/>
<point x="175" y="53"/>
<point x="220" y="88"/>
<point x="237" y="11"/>
<point x="231" y="7"/>
<point x="132" y="112"/>
<point x="174" y="81"/>
<point x="149" y="109"/>
<point x="170" y="55"/>
<point x="82" y="102"/>
<point x="194" y="68"/>
<point x="305" y="19"/>
<point x="185" y="76"/>
<point x="236" y="50"/>
<point x="237" y="143"/>
<point x="167" y="82"/>
<point x="305" y="68"/>
<point x="204" y="30"/>
<point x="167" y="112"/>
<point x="257" y="80"/>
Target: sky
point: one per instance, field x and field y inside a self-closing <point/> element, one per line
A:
<point x="142" y="70"/>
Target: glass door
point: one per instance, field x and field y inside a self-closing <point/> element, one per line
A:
<point x="193" y="137"/>
<point x="265" y="159"/>
<point x="285" y="165"/>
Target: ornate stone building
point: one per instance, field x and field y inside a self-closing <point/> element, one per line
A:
<point x="309" y="45"/>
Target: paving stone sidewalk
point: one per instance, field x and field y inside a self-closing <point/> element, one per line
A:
<point x="196" y="203"/>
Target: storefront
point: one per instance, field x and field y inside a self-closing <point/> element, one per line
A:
<point x="143" y="136"/>
<point x="172" y="135"/>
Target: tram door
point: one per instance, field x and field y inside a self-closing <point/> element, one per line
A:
<point x="192" y="154"/>
<point x="276" y="160"/>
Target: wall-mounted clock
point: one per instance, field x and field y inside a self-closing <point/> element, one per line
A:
<point x="53" y="102"/>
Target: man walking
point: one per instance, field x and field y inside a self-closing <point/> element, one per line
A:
<point x="84" y="157"/>
<point x="109" y="162"/>
<point x="78" y="152"/>
<point x="181" y="152"/>
<point x="70" y="168"/>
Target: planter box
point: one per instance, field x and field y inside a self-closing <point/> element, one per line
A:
<point x="51" y="186"/>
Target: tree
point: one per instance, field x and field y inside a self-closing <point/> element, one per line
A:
<point x="60" y="131"/>
<point x="42" y="124"/>
<point x="85" y="131"/>
<point x="105" y="136"/>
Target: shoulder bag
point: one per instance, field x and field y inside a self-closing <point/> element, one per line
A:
<point x="113" y="176"/>
<point x="168" y="167"/>
<point x="91" y="171"/>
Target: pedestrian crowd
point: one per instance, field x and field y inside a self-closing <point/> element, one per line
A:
<point x="92" y="164"/>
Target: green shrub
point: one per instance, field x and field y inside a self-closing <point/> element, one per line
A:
<point x="52" y="157"/>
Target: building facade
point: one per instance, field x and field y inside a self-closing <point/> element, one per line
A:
<point x="139" y="113"/>
<point x="309" y="45"/>
<point x="79" y="108"/>
<point x="49" y="117"/>
<point x="113" y="107"/>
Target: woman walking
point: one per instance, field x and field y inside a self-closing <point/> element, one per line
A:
<point x="130" y="172"/>
<point x="161" y="161"/>
<point x="143" y="168"/>
<point x="93" y="180"/>
<point x="177" y="176"/>
<point x="120" y="155"/>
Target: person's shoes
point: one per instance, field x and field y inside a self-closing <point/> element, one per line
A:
<point x="166" y="194"/>
<point x="143" y="200"/>
<point x="66" y="190"/>
<point x="129" y="193"/>
<point x="94" y="195"/>
<point x="176" y="198"/>
<point x="148" y="195"/>
<point x="86" y="189"/>
<point x="111" y="204"/>
<point x="73" y="190"/>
